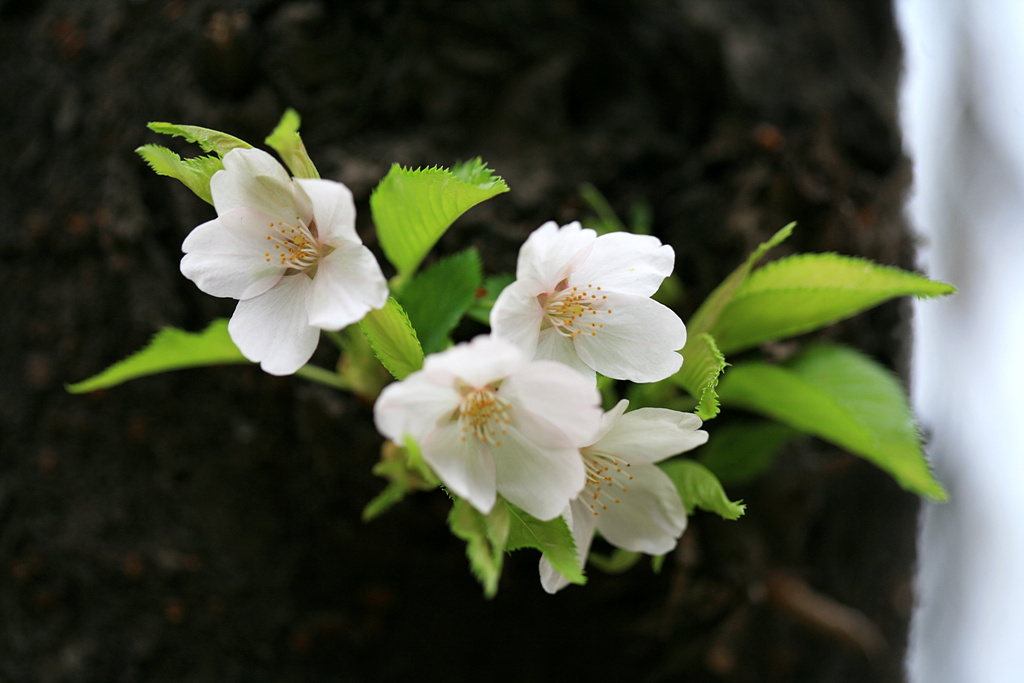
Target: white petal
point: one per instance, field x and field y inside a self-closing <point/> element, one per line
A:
<point x="550" y="254"/>
<point x="539" y="480"/>
<point x="479" y="362"/>
<point x="226" y="256"/>
<point x="628" y="263"/>
<point x="347" y="284"/>
<point x="416" y="406"/>
<point x="550" y="399"/>
<point x="465" y="466"/>
<point x="517" y="317"/>
<point x="559" y="348"/>
<point x="649" y="517"/>
<point x="651" y="434"/>
<point x="582" y="528"/>
<point x="252" y="179"/>
<point x="637" y="341"/>
<point x="272" y="328"/>
<point x="334" y="210"/>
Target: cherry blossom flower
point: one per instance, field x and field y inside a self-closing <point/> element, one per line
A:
<point x="585" y="301"/>
<point x="287" y="249"/>
<point x="488" y="420"/>
<point x="627" y="498"/>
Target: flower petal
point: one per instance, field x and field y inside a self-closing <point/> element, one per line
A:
<point x="649" y="517"/>
<point x="252" y="179"/>
<point x="416" y="405"/>
<point x="551" y="402"/>
<point x="347" y="284"/>
<point x="464" y="465"/>
<point x="517" y="317"/>
<point x="226" y="256"/>
<point x="550" y="254"/>
<point x="272" y="328"/>
<point x="540" y="480"/>
<point x="651" y="434"/>
<point x="636" y="341"/>
<point x="582" y="528"/>
<point x="557" y="347"/>
<point x="479" y="362"/>
<point x="334" y="210"/>
<point x="628" y="263"/>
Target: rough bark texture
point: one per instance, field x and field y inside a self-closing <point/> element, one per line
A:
<point x="204" y="525"/>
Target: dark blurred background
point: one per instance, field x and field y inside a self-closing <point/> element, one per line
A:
<point x="205" y="525"/>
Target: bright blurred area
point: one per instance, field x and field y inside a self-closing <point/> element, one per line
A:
<point x="963" y="109"/>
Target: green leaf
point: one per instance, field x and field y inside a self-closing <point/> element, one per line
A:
<point x="285" y="140"/>
<point x="804" y="292"/>
<point x="704" y="319"/>
<point x="699" y="488"/>
<point x="393" y="339"/>
<point x="405" y="470"/>
<point x="552" y="538"/>
<point x="437" y="298"/>
<point x="843" y="397"/>
<point x="413" y="208"/>
<point x="485" y="540"/>
<point x="703" y="364"/>
<point x="170" y="349"/>
<point x="740" y="451"/>
<point x="209" y="140"/>
<point x="493" y="285"/>
<point x="195" y="173"/>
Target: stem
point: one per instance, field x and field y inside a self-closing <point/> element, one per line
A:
<point x="322" y="375"/>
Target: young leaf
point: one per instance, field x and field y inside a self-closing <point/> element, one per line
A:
<point x="705" y="317"/>
<point x="209" y="140"/>
<point x="170" y="349"/>
<point x="437" y="298"/>
<point x="699" y="488"/>
<point x="485" y="540"/>
<point x="804" y="292"/>
<point x="703" y="364"/>
<point x="843" y="397"/>
<point x="552" y="538"/>
<point x="393" y="339"/>
<point x="195" y="173"/>
<point x="286" y="142"/>
<point x="405" y="470"/>
<point x="740" y="451"/>
<point x="412" y="209"/>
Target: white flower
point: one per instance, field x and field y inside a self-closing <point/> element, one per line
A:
<point x="488" y="421"/>
<point x="287" y="249"/>
<point x="585" y="300"/>
<point x="628" y="498"/>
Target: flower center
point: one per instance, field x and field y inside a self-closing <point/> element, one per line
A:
<point x="294" y="246"/>
<point x="484" y="414"/>
<point x="572" y="310"/>
<point x="607" y="481"/>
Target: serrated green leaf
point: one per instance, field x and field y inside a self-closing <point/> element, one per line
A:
<point x="195" y="173"/>
<point x="703" y="364"/>
<point x="740" y="451"/>
<point x="552" y="538"/>
<point x="485" y="540"/>
<point x="286" y="141"/>
<point x="843" y="397"/>
<point x="437" y="298"/>
<point x="170" y="349"/>
<point x="209" y="140"/>
<point x="699" y="488"/>
<point x="413" y="208"/>
<point x="705" y="317"/>
<point x="480" y="311"/>
<point x="393" y="339"/>
<point x="804" y="292"/>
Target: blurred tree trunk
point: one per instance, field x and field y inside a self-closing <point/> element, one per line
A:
<point x="205" y="525"/>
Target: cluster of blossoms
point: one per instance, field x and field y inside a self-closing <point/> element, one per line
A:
<point x="515" y="413"/>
